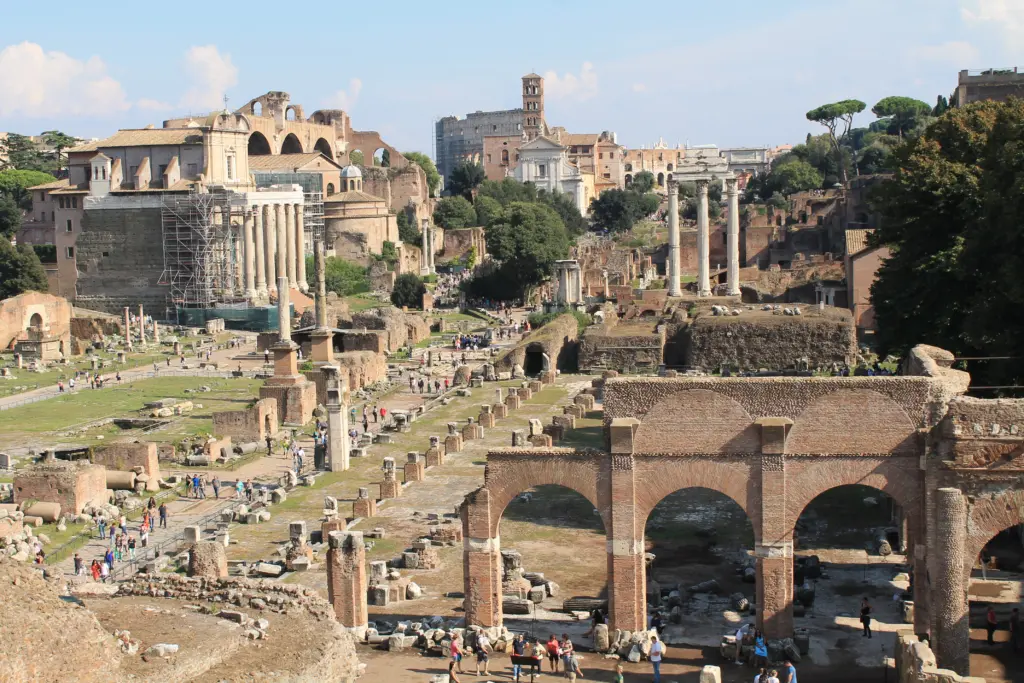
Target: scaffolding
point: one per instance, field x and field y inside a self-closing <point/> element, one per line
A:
<point x="312" y="198"/>
<point x="202" y="249"/>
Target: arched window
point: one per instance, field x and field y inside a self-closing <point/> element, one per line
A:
<point x="330" y="188"/>
<point x="629" y="167"/>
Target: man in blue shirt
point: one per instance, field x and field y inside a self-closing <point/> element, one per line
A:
<point x="789" y="671"/>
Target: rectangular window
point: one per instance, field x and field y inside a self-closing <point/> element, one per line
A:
<point x="611" y="155"/>
<point x="74" y="202"/>
<point x="60" y="202"/>
<point x="69" y="252"/>
<point x="68" y="229"/>
<point x="600" y="155"/>
<point x="43" y="213"/>
<point x="193" y="170"/>
<point x="488" y="158"/>
<point x="133" y="170"/>
<point x="231" y="167"/>
<point x="542" y="170"/>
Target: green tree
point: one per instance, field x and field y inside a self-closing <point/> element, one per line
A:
<point x="408" y="231"/>
<point x="23" y="155"/>
<point x="20" y="270"/>
<point x="59" y="141"/>
<point x="618" y="210"/>
<point x="454" y="212"/>
<point x="835" y="117"/>
<point x="15" y="183"/>
<point x="388" y="253"/>
<point x="408" y="291"/>
<point x="10" y="217"/>
<point x="902" y="113"/>
<point x="508" y="190"/>
<point x="385" y="158"/>
<point x="566" y="209"/>
<point x="470" y="258"/>
<point x="487" y="208"/>
<point x="643" y="182"/>
<point x="951" y="217"/>
<point x="355" y="158"/>
<point x="792" y="176"/>
<point x="465" y="177"/>
<point x="342" y="277"/>
<point x="429" y="169"/>
<point x="526" y="239"/>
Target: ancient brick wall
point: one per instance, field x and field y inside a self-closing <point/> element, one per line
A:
<point x="557" y="339"/>
<point x="18" y="312"/>
<point x="756" y="340"/>
<point x="606" y="348"/>
<point x="254" y="423"/>
<point x="371" y="340"/>
<point x="73" y="485"/>
<point x="120" y="259"/>
<point x="126" y="456"/>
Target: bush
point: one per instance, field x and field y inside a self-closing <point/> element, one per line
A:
<point x="455" y="212"/>
<point x="408" y="231"/>
<point x="538" y="320"/>
<point x="408" y="291"/>
<point x="342" y="277"/>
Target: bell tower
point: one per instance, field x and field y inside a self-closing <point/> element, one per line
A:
<point x="533" y="106"/>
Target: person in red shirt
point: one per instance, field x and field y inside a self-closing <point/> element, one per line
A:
<point x="456" y="660"/>
<point x="554" y="651"/>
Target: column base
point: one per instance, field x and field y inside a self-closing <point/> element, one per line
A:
<point x="303" y="287"/>
<point x="704" y="292"/>
<point x="673" y="292"/>
<point x="735" y="292"/>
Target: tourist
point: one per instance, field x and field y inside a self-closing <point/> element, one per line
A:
<point x="197" y="486"/>
<point x="553" y="652"/>
<point x="789" y="671"/>
<point x="376" y="414"/>
<point x="94" y="569"/>
<point x="216" y="487"/>
<point x="239" y="489"/>
<point x="1015" y="629"/>
<point x="144" y="536"/>
<point x="455" y="653"/>
<point x="270" y="445"/>
<point x="79" y="565"/>
<point x="60" y="387"/>
<point x="657" y="652"/>
<point x="538" y="656"/>
<point x="760" y="650"/>
<point x="567" y="650"/>
<point x="248" y="489"/>
<point x="762" y="675"/>
<point x="113" y="531"/>
<point x="518" y="650"/>
<point x="366" y="425"/>
<point x="188" y="485"/>
<point x="657" y="623"/>
<point x="865" y="617"/>
<point x="102" y="523"/>
<point x="990" y="624"/>
<point x="482" y="643"/>
<point x="163" y="515"/>
<point x="104" y="571"/>
<point x="773" y="676"/>
<point x="131" y="548"/>
<point x="383" y="413"/>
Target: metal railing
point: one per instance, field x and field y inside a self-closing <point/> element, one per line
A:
<point x="151" y="552"/>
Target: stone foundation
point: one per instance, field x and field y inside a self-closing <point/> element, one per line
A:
<point x="295" y="402"/>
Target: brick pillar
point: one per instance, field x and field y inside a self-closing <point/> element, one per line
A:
<point x="627" y="584"/>
<point x="952" y="633"/>
<point x="414" y="467"/>
<point x="774" y="549"/>
<point x="481" y="562"/>
<point x="346" y="579"/>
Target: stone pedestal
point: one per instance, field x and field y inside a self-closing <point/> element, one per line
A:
<point x="414" y="468"/>
<point x="322" y="346"/>
<point x="337" y="420"/>
<point x="389" y="488"/>
<point x="525" y="393"/>
<point x="512" y="402"/>
<point x="435" y="454"/>
<point x="535" y="386"/>
<point x="556" y="432"/>
<point x="564" y="421"/>
<point x="472" y="431"/>
<point x="547" y="377"/>
<point x="364" y="506"/>
<point x="486" y="417"/>
<point x="574" y="410"/>
<point x="541" y="441"/>
<point x="500" y="411"/>
<point x="453" y="443"/>
<point x="346" y="579"/>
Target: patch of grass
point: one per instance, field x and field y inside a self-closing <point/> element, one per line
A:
<point x="30" y="381"/>
<point x="359" y="302"/>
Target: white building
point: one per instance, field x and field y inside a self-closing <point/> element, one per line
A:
<point x="545" y="163"/>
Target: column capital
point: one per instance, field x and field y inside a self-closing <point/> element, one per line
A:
<point x="673" y="185"/>
<point x="702" y="185"/>
<point x="730" y="185"/>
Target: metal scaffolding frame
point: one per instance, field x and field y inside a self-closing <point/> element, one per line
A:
<point x="202" y="249"/>
<point x="312" y="197"/>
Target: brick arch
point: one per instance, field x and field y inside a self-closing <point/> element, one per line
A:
<point x="806" y="479"/>
<point x="852" y="421"/>
<point x="504" y="481"/>
<point x="662" y="477"/>
<point x="697" y="421"/>
<point x="987" y="518"/>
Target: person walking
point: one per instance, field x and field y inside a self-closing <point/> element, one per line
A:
<point x="131" y="548"/>
<point x="248" y="489"/>
<point x="216" y="487"/>
<point x="102" y="524"/>
<point x="567" y="650"/>
<point x="518" y="650"/>
<point x="188" y="485"/>
<point x="79" y="565"/>
<point x="376" y="414"/>
<point x="270" y="445"/>
<point x="163" y="515"/>
<point x="94" y="569"/>
<point x="865" y="617"/>
<point x="455" y="654"/>
<point x="990" y="624"/>
<point x="657" y="652"/>
<point x="239" y="489"/>
<point x="482" y="643"/>
<point x="553" y="653"/>
<point x="789" y="671"/>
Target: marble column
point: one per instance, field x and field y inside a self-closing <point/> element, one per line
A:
<point x="270" y="228"/>
<point x="238" y="233"/>
<point x="127" y="329"/>
<point x="300" y="249"/>
<point x="425" y="247"/>
<point x="733" y="238"/>
<point x="258" y="242"/>
<point x="250" y="257"/>
<point x="703" y="246"/>
<point x="284" y="311"/>
<point x="673" y="239"/>
<point x="282" y="247"/>
<point x="142" y="326"/>
<point x="292" y="254"/>
<point x="951" y="632"/>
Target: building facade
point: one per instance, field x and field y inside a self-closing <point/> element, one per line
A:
<point x="988" y="84"/>
<point x="546" y="164"/>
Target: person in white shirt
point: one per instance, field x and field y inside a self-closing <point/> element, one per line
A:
<point x="657" y="651"/>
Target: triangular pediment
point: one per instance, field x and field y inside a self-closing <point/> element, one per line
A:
<point x="540" y="142"/>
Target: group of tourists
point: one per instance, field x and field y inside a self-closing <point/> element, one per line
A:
<point x="122" y="544"/>
<point x="196" y="484"/>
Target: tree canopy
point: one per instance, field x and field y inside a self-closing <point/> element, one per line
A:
<point x="342" y="277"/>
<point x="454" y="212"/>
<point x="59" y="141"/>
<point x="487" y="208"/>
<point x="408" y="291"/>
<point x="902" y="113"/>
<point x="526" y="239"/>
<point x="14" y="183"/>
<point x="835" y="117"/>
<point x="355" y="158"/>
<point x="10" y="217"/>
<point x="618" y="210"/>
<point x="508" y="190"/>
<point x="20" y="270"/>
<point x="642" y="182"/>
<point x="408" y="231"/>
<point x="951" y="218"/>
<point x="465" y="178"/>
<point x="427" y="164"/>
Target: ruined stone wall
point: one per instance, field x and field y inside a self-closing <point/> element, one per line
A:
<point x="458" y="241"/>
<point x="362" y="367"/>
<point x="96" y="328"/>
<point x="557" y="339"/>
<point x="628" y="349"/>
<point x="16" y="314"/>
<point x="125" y="456"/>
<point x="254" y="423"/>
<point x="409" y="191"/>
<point x="120" y="258"/>
<point x="398" y="328"/>
<point x="755" y="245"/>
<point x="73" y="485"/>
<point x="751" y="341"/>
<point x="915" y="663"/>
<point x="375" y="341"/>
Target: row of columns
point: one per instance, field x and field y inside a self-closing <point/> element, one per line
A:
<point x="274" y="246"/>
<point x="704" y="239"/>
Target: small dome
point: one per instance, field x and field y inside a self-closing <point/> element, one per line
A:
<point x="351" y="172"/>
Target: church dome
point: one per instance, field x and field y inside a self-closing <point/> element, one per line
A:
<point x="351" y="172"/>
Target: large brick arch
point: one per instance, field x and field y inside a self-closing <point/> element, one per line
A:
<point x="988" y="517"/>
<point x="658" y="477"/>
<point x="808" y="478"/>
<point x="852" y="421"/>
<point x="506" y="479"/>
<point x="697" y="421"/>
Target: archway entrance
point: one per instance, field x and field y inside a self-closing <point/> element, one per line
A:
<point x="996" y="581"/>
<point x="324" y="148"/>
<point x="35" y="322"/>
<point x="533" y="364"/>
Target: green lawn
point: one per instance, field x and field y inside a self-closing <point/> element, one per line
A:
<point x="361" y="302"/>
<point x="26" y="380"/>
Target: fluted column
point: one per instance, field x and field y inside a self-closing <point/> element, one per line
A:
<point x="270" y="223"/>
<point x="248" y="246"/>
<point x="281" y="224"/>
<point x="258" y="243"/>
<point x="703" y="246"/>
<point x="673" y="239"/>
<point x="238" y="231"/>
<point x="300" y="251"/>
<point x="293" y="253"/>
<point x="733" y="238"/>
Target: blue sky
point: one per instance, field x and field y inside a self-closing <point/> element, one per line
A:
<point x="737" y="73"/>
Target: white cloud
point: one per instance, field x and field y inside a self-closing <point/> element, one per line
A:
<point x="39" y="84"/>
<point x="210" y="74"/>
<point x="346" y="99"/>
<point x="1006" y="16"/>
<point x="639" y="87"/>
<point x="958" y="53"/>
<point x="147" y="104"/>
<point x="571" y="86"/>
